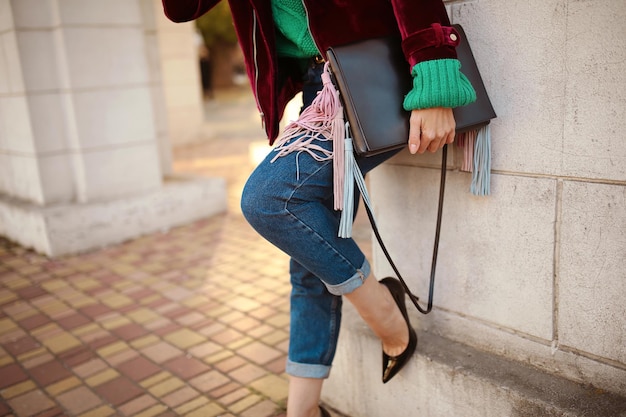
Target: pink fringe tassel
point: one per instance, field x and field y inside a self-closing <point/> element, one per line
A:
<point x="322" y="120"/>
<point x="466" y="141"/>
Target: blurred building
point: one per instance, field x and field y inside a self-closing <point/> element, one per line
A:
<point x="93" y="95"/>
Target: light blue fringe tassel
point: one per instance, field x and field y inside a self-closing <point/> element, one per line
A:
<point x="352" y="174"/>
<point x="481" y="173"/>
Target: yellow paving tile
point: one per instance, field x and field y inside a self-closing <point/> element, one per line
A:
<point x="191" y="405"/>
<point x="7" y="325"/>
<point x="54" y="307"/>
<point x="112" y="349"/>
<point x="123" y="285"/>
<point x="61" y="342"/>
<point x="86" y="329"/>
<point x="209" y="410"/>
<point x="218" y="311"/>
<point x="165" y="387"/>
<point x="47" y="329"/>
<point x="149" y="299"/>
<point x="31" y="354"/>
<point x="28" y="312"/>
<point x="102" y="411"/>
<point x="163" y="375"/>
<point x="37" y="360"/>
<point x="193" y="283"/>
<point x="15" y="262"/>
<point x="80" y="302"/>
<point x="16" y="284"/>
<point x="129" y="258"/>
<point x="196" y="301"/>
<point x="144" y="341"/>
<point x="86" y="284"/>
<point x="153" y="267"/>
<point x="5" y="360"/>
<point x="275" y="337"/>
<point x="115" y="322"/>
<point x="150" y="280"/>
<point x="200" y="273"/>
<point x="102" y="377"/>
<point x="219" y="356"/>
<point x="116" y="301"/>
<point x="152" y="411"/>
<point x="239" y="343"/>
<point x="143" y="315"/>
<point x="54" y="285"/>
<point x="63" y="385"/>
<point x="244" y="403"/>
<point x="271" y="386"/>
<point x="122" y="269"/>
<point x="63" y="272"/>
<point x="87" y="266"/>
<point x="17" y="389"/>
<point x="184" y="338"/>
<point x="279" y="320"/>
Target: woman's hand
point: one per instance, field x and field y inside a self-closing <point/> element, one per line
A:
<point x="430" y="129"/>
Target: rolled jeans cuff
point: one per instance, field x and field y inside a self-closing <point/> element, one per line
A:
<point x="307" y="370"/>
<point x="352" y="283"/>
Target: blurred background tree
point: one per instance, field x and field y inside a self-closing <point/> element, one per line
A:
<point x="221" y="58"/>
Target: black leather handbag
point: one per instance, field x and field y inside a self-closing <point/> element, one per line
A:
<point x="372" y="78"/>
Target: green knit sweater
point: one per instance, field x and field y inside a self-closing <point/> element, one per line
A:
<point x="436" y="83"/>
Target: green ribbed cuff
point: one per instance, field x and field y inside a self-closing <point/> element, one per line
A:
<point x="439" y="83"/>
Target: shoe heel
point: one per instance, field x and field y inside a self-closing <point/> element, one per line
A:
<point x="393" y="364"/>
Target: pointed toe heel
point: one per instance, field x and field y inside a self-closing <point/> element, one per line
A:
<point x="393" y="364"/>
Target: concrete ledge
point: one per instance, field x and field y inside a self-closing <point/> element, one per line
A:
<point x="74" y="228"/>
<point x="446" y="378"/>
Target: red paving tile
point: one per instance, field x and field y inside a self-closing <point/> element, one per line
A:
<point x="95" y="310"/>
<point x="49" y="372"/>
<point x="119" y="390"/>
<point x="72" y="321"/>
<point x="30" y="292"/>
<point x="138" y="368"/>
<point x="77" y="356"/>
<point x="22" y="345"/>
<point x="11" y="374"/>
<point x="130" y="331"/>
<point x="186" y="367"/>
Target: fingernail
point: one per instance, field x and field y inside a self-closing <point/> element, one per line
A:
<point x="413" y="148"/>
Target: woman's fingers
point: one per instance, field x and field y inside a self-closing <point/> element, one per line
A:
<point x="431" y="129"/>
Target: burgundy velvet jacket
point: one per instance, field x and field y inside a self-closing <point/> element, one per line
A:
<point x="422" y="24"/>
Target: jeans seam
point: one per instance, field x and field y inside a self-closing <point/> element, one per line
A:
<point x="333" y="330"/>
<point x="309" y="228"/>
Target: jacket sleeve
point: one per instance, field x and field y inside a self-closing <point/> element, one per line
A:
<point x="186" y="10"/>
<point x="429" y="45"/>
<point x="425" y="29"/>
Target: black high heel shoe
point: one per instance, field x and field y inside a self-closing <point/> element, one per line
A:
<point x="393" y="364"/>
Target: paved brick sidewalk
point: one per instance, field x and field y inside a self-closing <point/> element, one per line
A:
<point x="188" y="322"/>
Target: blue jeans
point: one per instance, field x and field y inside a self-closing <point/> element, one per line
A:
<point x="290" y="203"/>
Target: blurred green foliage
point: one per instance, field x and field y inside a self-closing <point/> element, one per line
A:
<point x="216" y="26"/>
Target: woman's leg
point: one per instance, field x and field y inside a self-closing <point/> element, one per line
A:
<point x="304" y="396"/>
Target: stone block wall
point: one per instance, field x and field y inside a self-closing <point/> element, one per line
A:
<point x="536" y="272"/>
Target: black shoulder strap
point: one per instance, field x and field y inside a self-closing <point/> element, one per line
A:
<point x="368" y="208"/>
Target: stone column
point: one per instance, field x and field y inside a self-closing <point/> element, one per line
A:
<point x="83" y="126"/>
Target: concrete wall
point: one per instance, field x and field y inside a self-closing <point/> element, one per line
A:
<point x="537" y="271"/>
<point x="529" y="316"/>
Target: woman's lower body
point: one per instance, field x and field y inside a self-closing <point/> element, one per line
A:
<point x="289" y="201"/>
